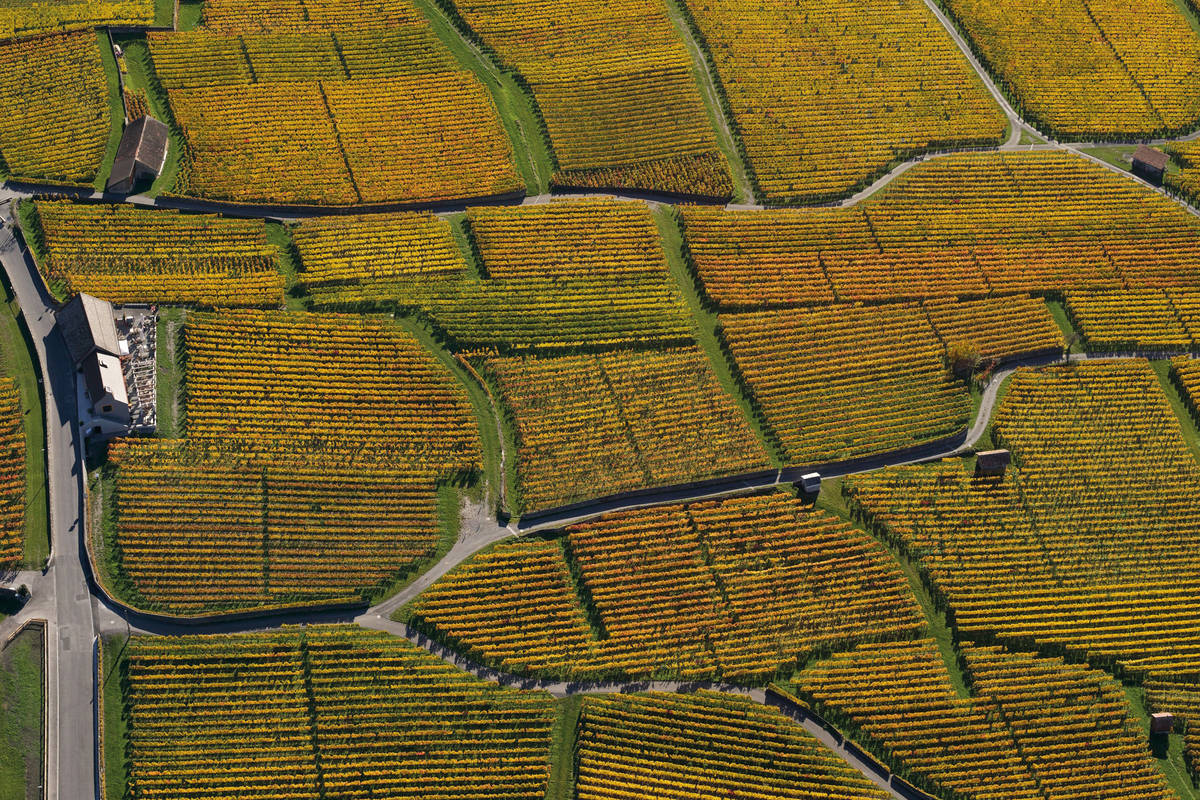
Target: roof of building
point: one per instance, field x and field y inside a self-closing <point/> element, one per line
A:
<point x="1151" y="157"/>
<point x="88" y="325"/>
<point x="144" y="143"/>
<point x="102" y="376"/>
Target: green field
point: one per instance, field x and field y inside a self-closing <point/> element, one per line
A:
<point x="21" y="712"/>
<point x="17" y="363"/>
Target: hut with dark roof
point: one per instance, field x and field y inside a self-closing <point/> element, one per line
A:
<point x="1150" y="164"/>
<point x="141" y="154"/>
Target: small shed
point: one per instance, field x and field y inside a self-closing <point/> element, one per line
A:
<point x="810" y="482"/>
<point x="1150" y="163"/>
<point x="142" y="154"/>
<point x="992" y="463"/>
<point x="1162" y="722"/>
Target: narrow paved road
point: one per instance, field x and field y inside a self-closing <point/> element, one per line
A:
<point x="70" y="740"/>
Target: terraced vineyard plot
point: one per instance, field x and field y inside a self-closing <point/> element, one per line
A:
<point x="897" y="698"/>
<point x="995" y="329"/>
<point x="594" y="425"/>
<point x="1093" y="747"/>
<point x="1059" y="553"/>
<point x="32" y="17"/>
<point x="1146" y="319"/>
<point x="963" y="225"/>
<point x="374" y="258"/>
<point x="1035" y="727"/>
<point x="312" y="441"/>
<point x="305" y="16"/>
<point x="1091" y="69"/>
<point x="204" y="57"/>
<point x="614" y="84"/>
<point x="1186" y="180"/>
<point x="12" y="475"/>
<point x="129" y="255"/>
<point x="406" y="139"/>
<point x="845" y="381"/>
<point x="735" y="589"/>
<point x="426" y="138"/>
<point x="671" y="746"/>
<point x="381" y="113"/>
<point x="557" y="277"/>
<point x="321" y="711"/>
<point x="57" y="119"/>
<point x="1182" y="700"/>
<point x="826" y="96"/>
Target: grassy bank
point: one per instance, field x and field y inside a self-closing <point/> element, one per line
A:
<point x="116" y="105"/>
<point x="562" y="749"/>
<point x="22" y="707"/>
<point x="16" y="362"/>
<point x="169" y="364"/>
<point x="705" y="329"/>
<point x="140" y="75"/>
<point x="112" y="718"/>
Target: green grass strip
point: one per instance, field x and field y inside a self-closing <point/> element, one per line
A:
<point x="481" y="405"/>
<point x="832" y="500"/>
<point x="169" y="408"/>
<point x="1187" y="422"/>
<point x="17" y="362"/>
<point x="705" y="328"/>
<point x="116" y="108"/>
<point x="112" y="716"/>
<point x="22" y="699"/>
<point x="562" y="749"/>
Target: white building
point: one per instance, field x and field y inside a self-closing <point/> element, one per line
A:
<point x="90" y="330"/>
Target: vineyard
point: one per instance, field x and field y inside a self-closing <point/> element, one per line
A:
<point x="844" y="381"/>
<point x="20" y="18"/>
<point x="374" y="259"/>
<point x="12" y="476"/>
<point x="1060" y="553"/>
<point x="614" y="86"/>
<point x="494" y="344"/>
<point x="592" y="425"/>
<point x="813" y="93"/>
<point x="1146" y="319"/>
<point x="674" y="747"/>
<point x="997" y="329"/>
<point x="1120" y="72"/>
<point x="320" y="712"/>
<point x="963" y="225"/>
<point x="1185" y="180"/>
<point x="737" y="589"/>
<point x="57" y="118"/>
<point x="314" y="446"/>
<point x="129" y="255"/>
<point x="334" y="104"/>
<point x="555" y="277"/>
<point x="1182" y="700"/>
<point x="1032" y="728"/>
